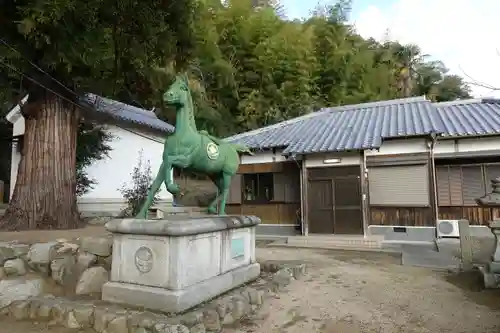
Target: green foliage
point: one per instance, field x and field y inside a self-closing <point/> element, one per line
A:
<point x="258" y="69"/>
<point x="100" y="46"/>
<point x="136" y="193"/>
<point x="92" y="146"/>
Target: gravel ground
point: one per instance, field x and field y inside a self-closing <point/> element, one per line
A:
<point x="351" y="292"/>
<point x="348" y="292"/>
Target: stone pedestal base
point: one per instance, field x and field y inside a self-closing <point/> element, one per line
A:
<point x="175" y="301"/>
<point x="171" y="265"/>
<point x="491" y="280"/>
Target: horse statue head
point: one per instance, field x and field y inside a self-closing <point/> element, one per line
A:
<point x="178" y="93"/>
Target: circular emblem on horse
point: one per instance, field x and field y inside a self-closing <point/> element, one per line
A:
<point x="144" y="259"/>
<point x="212" y="151"/>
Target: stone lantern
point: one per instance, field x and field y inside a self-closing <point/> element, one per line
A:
<point x="491" y="272"/>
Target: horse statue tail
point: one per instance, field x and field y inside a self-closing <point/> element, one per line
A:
<point x="242" y="149"/>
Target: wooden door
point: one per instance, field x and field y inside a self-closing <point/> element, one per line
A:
<point x="320" y="195"/>
<point x="348" y="208"/>
<point x="335" y="201"/>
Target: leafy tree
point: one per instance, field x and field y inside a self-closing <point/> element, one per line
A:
<point x="57" y="50"/>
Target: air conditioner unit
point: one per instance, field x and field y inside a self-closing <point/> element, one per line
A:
<point x="447" y="229"/>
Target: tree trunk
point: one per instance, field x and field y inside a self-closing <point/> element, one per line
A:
<point x="45" y="193"/>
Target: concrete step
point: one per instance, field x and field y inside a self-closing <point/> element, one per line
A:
<point x="336" y="242"/>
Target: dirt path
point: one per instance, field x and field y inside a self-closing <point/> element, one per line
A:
<point x="346" y="292"/>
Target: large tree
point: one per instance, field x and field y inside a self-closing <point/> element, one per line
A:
<point x="55" y="51"/>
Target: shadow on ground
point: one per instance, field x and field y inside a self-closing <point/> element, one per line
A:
<point x="472" y="285"/>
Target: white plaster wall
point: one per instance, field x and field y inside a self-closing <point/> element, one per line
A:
<point x="448" y="146"/>
<point x="112" y="172"/>
<point x="317" y="160"/>
<point x="467" y="145"/>
<point x="264" y="157"/>
<point x="404" y="146"/>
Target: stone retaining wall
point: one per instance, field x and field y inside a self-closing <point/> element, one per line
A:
<point x="81" y="267"/>
<point x="76" y="267"/>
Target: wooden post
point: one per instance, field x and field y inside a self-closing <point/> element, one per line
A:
<point x="465" y="244"/>
<point x="303" y="199"/>
<point x="364" y="194"/>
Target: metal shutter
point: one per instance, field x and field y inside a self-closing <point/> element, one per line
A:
<point x="404" y="185"/>
<point x="473" y="185"/>
<point x="456" y="191"/>
<point x="443" y="186"/>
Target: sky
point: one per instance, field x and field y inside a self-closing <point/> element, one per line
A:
<point x="464" y="34"/>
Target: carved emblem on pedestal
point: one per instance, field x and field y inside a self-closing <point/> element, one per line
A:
<point x="144" y="259"/>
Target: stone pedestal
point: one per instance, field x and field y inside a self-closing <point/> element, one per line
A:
<point x="174" y="264"/>
<point x="491" y="272"/>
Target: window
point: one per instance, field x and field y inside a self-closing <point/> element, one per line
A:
<point x="258" y="187"/>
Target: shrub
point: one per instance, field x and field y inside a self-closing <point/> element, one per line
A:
<point x="137" y="192"/>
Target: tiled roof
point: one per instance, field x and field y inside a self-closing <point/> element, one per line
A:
<point x="344" y="128"/>
<point x="128" y="113"/>
<point x="469" y="117"/>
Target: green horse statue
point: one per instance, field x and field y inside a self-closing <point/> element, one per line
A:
<point x="190" y="149"/>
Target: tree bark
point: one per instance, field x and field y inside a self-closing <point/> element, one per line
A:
<point x="44" y="196"/>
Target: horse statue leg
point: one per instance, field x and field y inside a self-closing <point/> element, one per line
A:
<point x="143" y="214"/>
<point x="226" y="182"/>
<point x="212" y="206"/>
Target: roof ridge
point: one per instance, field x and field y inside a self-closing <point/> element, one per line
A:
<point x="148" y="113"/>
<point x="327" y="110"/>
<point x="491" y="100"/>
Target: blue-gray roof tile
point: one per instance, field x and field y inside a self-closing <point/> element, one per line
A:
<point x="475" y="117"/>
<point x="127" y="113"/>
<point x="344" y="128"/>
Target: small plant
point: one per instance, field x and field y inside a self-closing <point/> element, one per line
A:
<point x="136" y="194"/>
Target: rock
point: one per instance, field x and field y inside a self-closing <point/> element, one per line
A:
<point x="20" y="289"/>
<point x="71" y="322"/>
<point x="64" y="270"/>
<point x="92" y="280"/>
<point x="191" y="319"/>
<point x="211" y="320"/>
<point x="20" y="310"/>
<point x="84" y="315"/>
<point x="2" y="273"/>
<point x="141" y="330"/>
<point x="44" y="312"/>
<point x="20" y="250"/>
<point x="239" y="308"/>
<point x="118" y="325"/>
<point x="173" y="329"/>
<point x="100" y="246"/>
<point x="6" y="253"/>
<point x="42" y="253"/>
<point x="15" y="267"/>
<point x="255" y="296"/>
<point x="199" y="328"/>
<point x="281" y="279"/>
<point x="101" y="320"/>
<point x="85" y="260"/>
<point x="65" y="247"/>
<point x="224" y="306"/>
<point x="100" y="220"/>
